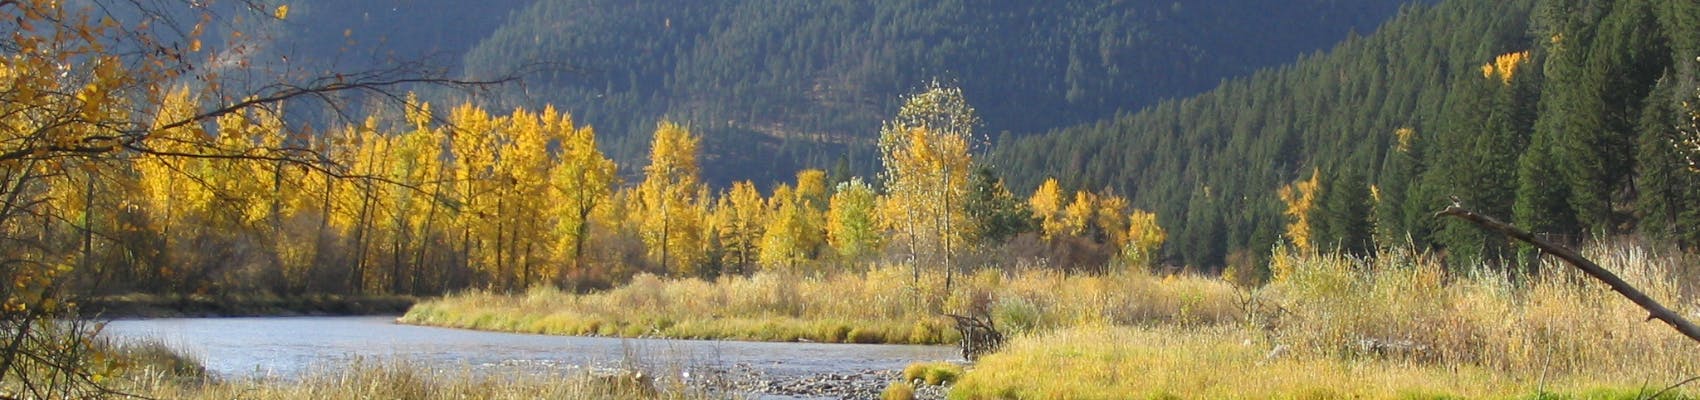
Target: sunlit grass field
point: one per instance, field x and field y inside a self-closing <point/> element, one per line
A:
<point x="1401" y="325"/>
<point x="1397" y="327"/>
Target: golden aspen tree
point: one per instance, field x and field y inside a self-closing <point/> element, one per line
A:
<point x="524" y="171"/>
<point x="372" y="155"/>
<point x="170" y="196"/>
<point x="583" y="180"/>
<point x="1300" y="199"/>
<point x="474" y="145"/>
<point x="853" y="220"/>
<point x="927" y="175"/>
<point x="1077" y="217"/>
<point x="419" y="169"/>
<point x="797" y="228"/>
<point x="779" y="239"/>
<point x="1505" y="66"/>
<point x="1109" y="216"/>
<point x="1047" y="205"/>
<point x="1143" y="238"/>
<point x="741" y="219"/>
<point x="811" y="188"/>
<point x="672" y="230"/>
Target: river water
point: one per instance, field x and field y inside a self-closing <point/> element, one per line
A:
<point x="290" y="346"/>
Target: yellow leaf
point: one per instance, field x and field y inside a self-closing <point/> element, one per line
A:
<point x="282" y="12"/>
<point x="195" y="46"/>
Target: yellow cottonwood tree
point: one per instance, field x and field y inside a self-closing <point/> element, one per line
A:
<point x="1144" y="237"/>
<point x="780" y="238"/>
<point x="523" y="175"/>
<point x="740" y="221"/>
<point x="797" y="228"/>
<point x="853" y="220"/>
<point x="1047" y="205"/>
<point x="474" y="143"/>
<point x="1110" y="217"/>
<point x="420" y="166"/>
<point x="584" y="180"/>
<point x="1300" y="198"/>
<point x="927" y="175"/>
<point x="672" y="228"/>
<point x="1078" y="216"/>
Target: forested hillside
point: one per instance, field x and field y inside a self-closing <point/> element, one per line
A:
<point x="1567" y="116"/>
<point x="353" y="35"/>
<point x="775" y="86"/>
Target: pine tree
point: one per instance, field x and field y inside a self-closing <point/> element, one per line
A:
<point x="995" y="210"/>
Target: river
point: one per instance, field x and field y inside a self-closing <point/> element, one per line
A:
<point x="290" y="346"/>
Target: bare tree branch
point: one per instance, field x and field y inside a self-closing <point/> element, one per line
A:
<point x="1654" y="309"/>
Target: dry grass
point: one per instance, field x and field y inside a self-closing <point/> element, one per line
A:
<point x="883" y="305"/>
<point x="1394" y="327"/>
<point x="401" y="380"/>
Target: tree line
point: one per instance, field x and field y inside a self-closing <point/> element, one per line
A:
<point x="432" y="200"/>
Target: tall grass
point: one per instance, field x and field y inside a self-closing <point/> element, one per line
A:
<point x="154" y="370"/>
<point x="883" y="305"/>
<point x="1399" y="326"/>
<point x="403" y="380"/>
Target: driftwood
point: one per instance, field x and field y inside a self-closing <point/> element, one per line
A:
<point x="1654" y="309"/>
<point x="978" y="336"/>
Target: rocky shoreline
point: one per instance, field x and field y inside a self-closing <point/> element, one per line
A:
<point x="864" y="384"/>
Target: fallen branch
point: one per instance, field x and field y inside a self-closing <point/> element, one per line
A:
<point x="979" y="337"/>
<point x="1654" y="309"/>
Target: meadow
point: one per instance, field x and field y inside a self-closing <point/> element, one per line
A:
<point x="1401" y="325"/>
<point x="1398" y="326"/>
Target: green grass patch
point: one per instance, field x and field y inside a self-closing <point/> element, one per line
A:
<point x="932" y="373"/>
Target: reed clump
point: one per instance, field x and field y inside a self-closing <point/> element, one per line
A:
<point x="885" y="304"/>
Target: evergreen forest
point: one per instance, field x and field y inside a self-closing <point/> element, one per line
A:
<point x="1570" y="118"/>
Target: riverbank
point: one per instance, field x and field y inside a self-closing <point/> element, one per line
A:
<point x="204" y="306"/>
<point x="1396" y="327"/>
<point x="885" y="305"/>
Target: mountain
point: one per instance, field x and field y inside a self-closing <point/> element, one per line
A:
<point x="1566" y="116"/>
<point x="775" y="85"/>
<point x="355" y="35"/>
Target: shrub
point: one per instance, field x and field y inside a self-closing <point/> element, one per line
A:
<point x="943" y="374"/>
<point x="866" y="336"/>
<point x="898" y="391"/>
<point x="1015" y="315"/>
<point x="932" y="373"/>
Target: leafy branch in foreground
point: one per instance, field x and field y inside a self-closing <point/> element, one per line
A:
<point x="84" y="90"/>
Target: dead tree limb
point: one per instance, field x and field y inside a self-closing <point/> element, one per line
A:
<point x="1654" y="309"/>
<point x="979" y="336"/>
